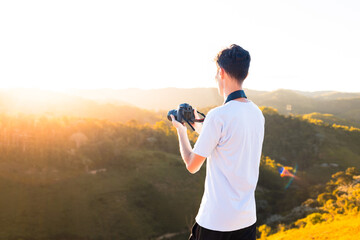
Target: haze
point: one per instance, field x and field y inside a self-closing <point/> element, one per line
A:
<point x="58" y="45"/>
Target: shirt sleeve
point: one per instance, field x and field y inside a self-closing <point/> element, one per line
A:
<point x="209" y="136"/>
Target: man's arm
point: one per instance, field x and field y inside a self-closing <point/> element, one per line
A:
<point x="192" y="161"/>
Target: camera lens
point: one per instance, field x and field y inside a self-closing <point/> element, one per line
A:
<point x="172" y="112"/>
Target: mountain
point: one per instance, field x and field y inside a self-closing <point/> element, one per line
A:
<point x="39" y="102"/>
<point x="342" y="105"/>
<point x="156" y="99"/>
<point x="328" y="95"/>
<point x="287" y="101"/>
<point x="81" y="102"/>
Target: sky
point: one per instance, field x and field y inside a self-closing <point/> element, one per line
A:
<point x="309" y="45"/>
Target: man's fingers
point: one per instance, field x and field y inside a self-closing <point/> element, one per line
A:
<point x="175" y="122"/>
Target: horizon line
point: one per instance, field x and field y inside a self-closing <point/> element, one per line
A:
<point x="66" y="90"/>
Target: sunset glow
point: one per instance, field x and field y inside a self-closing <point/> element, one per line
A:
<point x="158" y="44"/>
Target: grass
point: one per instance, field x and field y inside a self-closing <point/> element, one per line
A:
<point x="343" y="228"/>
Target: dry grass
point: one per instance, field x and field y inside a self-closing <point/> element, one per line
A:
<point x="343" y="228"/>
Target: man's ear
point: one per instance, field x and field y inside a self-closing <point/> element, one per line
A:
<point x="222" y="73"/>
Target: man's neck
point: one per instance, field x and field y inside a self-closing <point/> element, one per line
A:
<point x="231" y="89"/>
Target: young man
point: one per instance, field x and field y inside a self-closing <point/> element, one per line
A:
<point x="231" y="139"/>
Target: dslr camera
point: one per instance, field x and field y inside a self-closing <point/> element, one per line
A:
<point x="185" y="113"/>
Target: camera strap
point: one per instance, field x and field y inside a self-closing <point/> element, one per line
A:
<point x="235" y="95"/>
<point x="190" y="125"/>
<point x="202" y="119"/>
<point x="196" y="120"/>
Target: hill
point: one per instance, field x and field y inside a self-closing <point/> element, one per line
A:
<point x="86" y="178"/>
<point x="71" y="178"/>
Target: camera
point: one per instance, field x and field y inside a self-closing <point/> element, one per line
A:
<point x="185" y="113"/>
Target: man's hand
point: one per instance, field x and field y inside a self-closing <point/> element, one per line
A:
<point x="196" y="125"/>
<point x="178" y="125"/>
<point x="192" y="161"/>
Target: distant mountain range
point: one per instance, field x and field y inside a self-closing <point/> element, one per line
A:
<point x="51" y="104"/>
<point x="343" y="105"/>
<point x="329" y="95"/>
<point x="340" y="104"/>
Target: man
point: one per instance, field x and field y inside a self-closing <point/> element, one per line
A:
<point x="231" y="139"/>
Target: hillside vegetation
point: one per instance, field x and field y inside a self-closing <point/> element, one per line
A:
<point x="330" y="119"/>
<point x="334" y="214"/>
<point x="71" y="177"/>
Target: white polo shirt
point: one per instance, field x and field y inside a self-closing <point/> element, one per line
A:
<point x="231" y="138"/>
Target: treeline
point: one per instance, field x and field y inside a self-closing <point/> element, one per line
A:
<point x="59" y="141"/>
<point x="330" y="120"/>
<point x="294" y="140"/>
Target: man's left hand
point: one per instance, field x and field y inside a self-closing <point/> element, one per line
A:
<point x="178" y="125"/>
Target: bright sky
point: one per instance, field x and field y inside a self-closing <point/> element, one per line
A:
<point x="306" y="45"/>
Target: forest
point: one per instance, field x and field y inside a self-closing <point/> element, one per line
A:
<point x="72" y="177"/>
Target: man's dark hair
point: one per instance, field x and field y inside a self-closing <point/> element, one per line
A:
<point x="235" y="61"/>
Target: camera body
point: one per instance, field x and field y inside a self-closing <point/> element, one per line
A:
<point x="185" y="113"/>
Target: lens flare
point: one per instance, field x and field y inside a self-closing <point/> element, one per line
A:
<point x="285" y="172"/>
